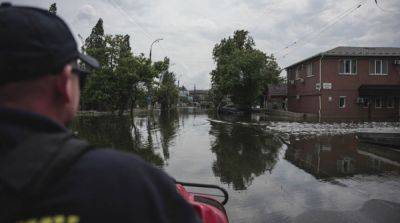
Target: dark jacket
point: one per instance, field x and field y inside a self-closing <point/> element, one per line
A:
<point x="103" y="185"/>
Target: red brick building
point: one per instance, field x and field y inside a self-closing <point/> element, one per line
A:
<point x="361" y="83"/>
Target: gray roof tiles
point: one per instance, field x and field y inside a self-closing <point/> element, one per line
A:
<point x="356" y="51"/>
<point x="363" y="51"/>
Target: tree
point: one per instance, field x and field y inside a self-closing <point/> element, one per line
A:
<point x="123" y="79"/>
<point x="53" y="8"/>
<point x="96" y="94"/>
<point x="168" y="92"/>
<point x="242" y="72"/>
<point x="123" y="63"/>
<point x="95" y="44"/>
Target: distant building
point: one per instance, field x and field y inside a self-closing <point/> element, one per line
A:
<point x="183" y="92"/>
<point x="184" y="96"/>
<point x="347" y="83"/>
<point x="276" y="97"/>
<point x="200" y="97"/>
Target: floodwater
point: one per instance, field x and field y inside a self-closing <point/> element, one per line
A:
<point x="272" y="173"/>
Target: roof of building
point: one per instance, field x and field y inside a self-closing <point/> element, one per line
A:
<point x="356" y="51"/>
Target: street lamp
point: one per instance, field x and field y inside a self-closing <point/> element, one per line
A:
<point x="151" y="46"/>
<point x="149" y="99"/>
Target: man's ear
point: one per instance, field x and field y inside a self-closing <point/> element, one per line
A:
<point x="64" y="84"/>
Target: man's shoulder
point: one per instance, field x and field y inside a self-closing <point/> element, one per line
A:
<point x="110" y="158"/>
<point x="113" y="163"/>
<point x="104" y="175"/>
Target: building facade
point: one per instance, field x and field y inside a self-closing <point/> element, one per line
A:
<point x="200" y="97"/>
<point x="275" y="97"/>
<point x="360" y="83"/>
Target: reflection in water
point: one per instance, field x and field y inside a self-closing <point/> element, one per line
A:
<point x="168" y="123"/>
<point x="340" y="156"/>
<point x="123" y="134"/>
<point x="242" y="153"/>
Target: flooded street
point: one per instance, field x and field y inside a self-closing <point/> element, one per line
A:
<point x="274" y="171"/>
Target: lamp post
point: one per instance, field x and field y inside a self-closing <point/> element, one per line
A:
<point x="151" y="46"/>
<point x="149" y="98"/>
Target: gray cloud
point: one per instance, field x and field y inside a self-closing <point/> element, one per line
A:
<point x="191" y="28"/>
<point x="86" y="12"/>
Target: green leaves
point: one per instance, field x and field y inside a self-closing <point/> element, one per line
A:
<point x="242" y="72"/>
<point x="53" y="8"/>
<point x="124" y="79"/>
<point x="168" y="92"/>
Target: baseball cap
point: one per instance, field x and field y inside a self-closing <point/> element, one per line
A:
<point x="35" y="42"/>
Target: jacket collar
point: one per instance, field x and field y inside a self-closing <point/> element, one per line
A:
<point x="29" y="121"/>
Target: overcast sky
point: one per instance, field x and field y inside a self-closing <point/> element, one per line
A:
<point x="191" y="28"/>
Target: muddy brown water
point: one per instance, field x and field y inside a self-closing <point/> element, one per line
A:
<point x="298" y="179"/>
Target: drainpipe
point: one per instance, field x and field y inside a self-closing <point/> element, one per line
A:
<point x="320" y="88"/>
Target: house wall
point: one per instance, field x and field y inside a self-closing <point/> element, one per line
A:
<point x="347" y="85"/>
<point x="342" y="85"/>
<point x="302" y="95"/>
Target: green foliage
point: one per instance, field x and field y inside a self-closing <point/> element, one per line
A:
<point x="124" y="80"/>
<point x="242" y="71"/>
<point x="95" y="44"/>
<point x="168" y="92"/>
<point x="53" y="8"/>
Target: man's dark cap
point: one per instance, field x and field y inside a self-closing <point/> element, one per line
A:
<point x="35" y="42"/>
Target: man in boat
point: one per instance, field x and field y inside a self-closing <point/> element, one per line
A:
<point x="46" y="173"/>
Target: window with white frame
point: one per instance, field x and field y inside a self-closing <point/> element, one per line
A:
<point x="378" y="102"/>
<point x="309" y="70"/>
<point x="348" y="66"/>
<point x="298" y="70"/>
<point x="378" y="67"/>
<point x="365" y="102"/>
<point x="342" y="101"/>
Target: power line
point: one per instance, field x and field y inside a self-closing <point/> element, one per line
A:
<point x="311" y="35"/>
<point x="384" y="10"/>
<point x="326" y="26"/>
<point x="311" y="32"/>
<point x="116" y="6"/>
<point x="324" y="9"/>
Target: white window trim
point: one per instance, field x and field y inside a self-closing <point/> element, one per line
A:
<point x="381" y="73"/>
<point x="380" y="106"/>
<point x="312" y="72"/>
<point x="351" y="65"/>
<point x="297" y="73"/>
<point x="344" y="105"/>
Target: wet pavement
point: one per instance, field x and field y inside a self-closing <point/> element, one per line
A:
<point x="274" y="171"/>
